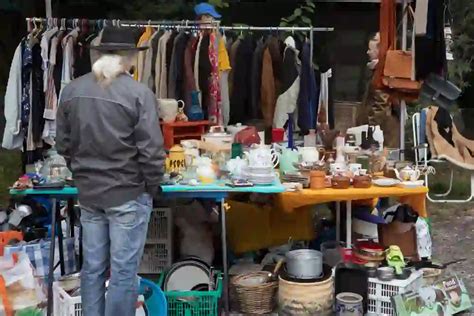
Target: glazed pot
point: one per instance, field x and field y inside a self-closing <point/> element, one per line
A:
<point x="297" y="298"/>
<point x="304" y="263"/>
<point x="349" y="304"/>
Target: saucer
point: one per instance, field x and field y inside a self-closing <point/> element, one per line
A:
<point x="412" y="184"/>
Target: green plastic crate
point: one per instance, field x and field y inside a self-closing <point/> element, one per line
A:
<point x="193" y="303"/>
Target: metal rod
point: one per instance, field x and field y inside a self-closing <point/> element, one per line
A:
<point x="224" y="257"/>
<point x="349" y="224"/>
<point x="187" y="24"/>
<point x="338" y="221"/>
<point x="50" y="278"/>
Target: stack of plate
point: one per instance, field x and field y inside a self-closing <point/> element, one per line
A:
<point x="260" y="175"/>
<point x="296" y="177"/>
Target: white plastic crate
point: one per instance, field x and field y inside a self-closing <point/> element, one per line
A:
<point x="160" y="226"/>
<point x="380" y="292"/>
<point x="64" y="304"/>
<point x="157" y="255"/>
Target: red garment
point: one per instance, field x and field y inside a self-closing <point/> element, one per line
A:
<point x="215" y="105"/>
<point x="388" y="21"/>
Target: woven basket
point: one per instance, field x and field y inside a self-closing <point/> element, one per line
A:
<point x="255" y="299"/>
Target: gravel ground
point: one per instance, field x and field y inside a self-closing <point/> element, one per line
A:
<point x="453" y="234"/>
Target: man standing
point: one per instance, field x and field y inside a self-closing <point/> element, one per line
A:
<point x="108" y="131"/>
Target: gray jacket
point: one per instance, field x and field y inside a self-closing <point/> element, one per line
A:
<point x="112" y="140"/>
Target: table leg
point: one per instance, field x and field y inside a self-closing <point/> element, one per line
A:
<point x="338" y="221"/>
<point x="60" y="242"/>
<point x="224" y="258"/>
<point x="51" y="258"/>
<point x="71" y="215"/>
<point x="349" y="224"/>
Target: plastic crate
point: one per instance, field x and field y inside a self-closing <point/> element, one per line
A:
<point x="195" y="303"/>
<point x="380" y="293"/>
<point x="65" y="304"/>
<point x="160" y="226"/>
<point x="157" y="254"/>
<point x="156" y="258"/>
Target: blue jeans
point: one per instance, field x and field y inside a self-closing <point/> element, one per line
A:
<point x="113" y="238"/>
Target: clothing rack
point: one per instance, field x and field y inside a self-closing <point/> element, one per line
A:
<point x="186" y="25"/>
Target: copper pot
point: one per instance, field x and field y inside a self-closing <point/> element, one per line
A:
<point x="318" y="179"/>
<point x="340" y="182"/>
<point x="362" y="182"/>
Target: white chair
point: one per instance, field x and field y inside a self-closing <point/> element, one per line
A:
<point x="421" y="157"/>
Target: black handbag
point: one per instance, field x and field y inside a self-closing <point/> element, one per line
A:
<point x="438" y="91"/>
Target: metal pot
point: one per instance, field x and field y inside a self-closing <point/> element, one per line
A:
<point x="304" y="264"/>
<point x="218" y="136"/>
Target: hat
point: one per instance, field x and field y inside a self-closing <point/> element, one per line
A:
<point x="206" y="9"/>
<point x="117" y="38"/>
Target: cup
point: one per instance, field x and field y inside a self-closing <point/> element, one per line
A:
<point x="237" y="150"/>
<point x="349" y="304"/>
<point x="355" y="168"/>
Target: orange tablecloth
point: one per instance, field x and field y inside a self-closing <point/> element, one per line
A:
<point x="290" y="201"/>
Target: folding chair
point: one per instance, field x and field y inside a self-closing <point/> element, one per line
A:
<point x="421" y="157"/>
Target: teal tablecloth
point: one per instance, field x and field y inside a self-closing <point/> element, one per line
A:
<point x="216" y="187"/>
<point x="66" y="191"/>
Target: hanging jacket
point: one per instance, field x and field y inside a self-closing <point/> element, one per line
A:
<point x="268" y="89"/>
<point x="290" y="80"/>
<point x="176" y="72"/>
<point x="240" y="97"/>
<point x="307" y="98"/>
<point x="13" y="135"/>
<point x="256" y="81"/>
<point x="204" y="73"/>
<point x="189" y="84"/>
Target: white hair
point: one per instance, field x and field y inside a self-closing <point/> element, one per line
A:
<point x="110" y="65"/>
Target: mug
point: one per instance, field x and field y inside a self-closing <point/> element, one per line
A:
<point x="168" y="109"/>
<point x="355" y="168"/>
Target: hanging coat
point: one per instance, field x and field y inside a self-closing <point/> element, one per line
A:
<point x="13" y="135"/>
<point x="286" y="102"/>
<point x="307" y="99"/>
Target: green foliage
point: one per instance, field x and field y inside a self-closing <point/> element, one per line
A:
<point x="461" y="69"/>
<point x="219" y="3"/>
<point x="302" y="16"/>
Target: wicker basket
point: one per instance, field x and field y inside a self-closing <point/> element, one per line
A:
<point x="255" y="298"/>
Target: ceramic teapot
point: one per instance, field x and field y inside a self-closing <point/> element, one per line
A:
<point x="262" y="156"/>
<point x="309" y="154"/>
<point x="236" y="166"/>
<point x="288" y="158"/>
<point x="407" y="174"/>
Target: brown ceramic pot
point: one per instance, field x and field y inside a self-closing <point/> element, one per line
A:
<point x="317" y="180"/>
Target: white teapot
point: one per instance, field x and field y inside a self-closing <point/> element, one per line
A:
<point x="262" y="156"/>
<point x="236" y="166"/>
<point x="408" y="174"/>
<point x="309" y="154"/>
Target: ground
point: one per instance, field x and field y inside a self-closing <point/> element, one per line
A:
<point x="453" y="233"/>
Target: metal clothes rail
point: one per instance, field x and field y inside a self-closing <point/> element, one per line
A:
<point x="186" y="25"/>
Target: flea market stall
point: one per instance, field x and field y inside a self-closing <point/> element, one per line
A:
<point x="264" y="207"/>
